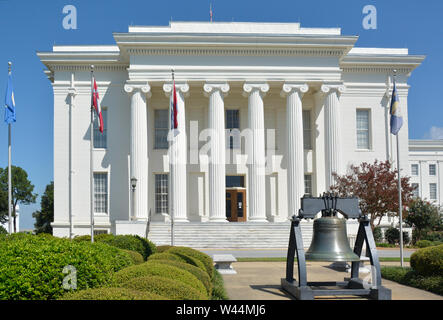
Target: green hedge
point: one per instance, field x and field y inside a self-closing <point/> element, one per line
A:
<point x="428" y="261"/>
<point x="195" y="254"/>
<point x="178" y="257"/>
<point x="128" y="242"/>
<point x="161" y="249"/>
<point x="196" y="271"/>
<point x="172" y="289"/>
<point x="218" y="291"/>
<point x="410" y="277"/>
<point x="152" y="268"/>
<point x="111" y="294"/>
<point x="136" y="257"/>
<point x="31" y="267"/>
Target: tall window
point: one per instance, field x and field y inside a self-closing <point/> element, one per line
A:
<point x="161" y="193"/>
<point x="308" y="184"/>
<point x="433" y="191"/>
<point x="432" y="170"/>
<point x="100" y="139"/>
<point x="100" y="192"/>
<point x="414" y="169"/>
<point x="363" y="134"/>
<point x="416" y="191"/>
<point x="233" y="124"/>
<point x="307" y="131"/>
<point x="161" y="128"/>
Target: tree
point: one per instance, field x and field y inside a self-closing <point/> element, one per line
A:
<point x="45" y="216"/>
<point x="424" y="217"/>
<point x="22" y="189"/>
<point x="376" y="185"/>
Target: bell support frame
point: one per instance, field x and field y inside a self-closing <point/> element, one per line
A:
<point x="304" y="290"/>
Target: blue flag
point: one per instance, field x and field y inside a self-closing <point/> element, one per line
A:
<point x="396" y="117"/>
<point x="9" y="101"/>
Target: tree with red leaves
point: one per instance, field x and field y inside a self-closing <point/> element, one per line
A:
<point x="376" y="185"/>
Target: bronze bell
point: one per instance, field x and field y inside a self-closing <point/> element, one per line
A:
<point x="330" y="241"/>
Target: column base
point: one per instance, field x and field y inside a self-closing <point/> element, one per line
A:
<point x="218" y="220"/>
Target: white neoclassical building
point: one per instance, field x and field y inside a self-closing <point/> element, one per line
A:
<point x="267" y="112"/>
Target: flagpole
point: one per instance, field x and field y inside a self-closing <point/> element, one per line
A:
<point x="399" y="192"/>
<point x="91" y="159"/>
<point x="9" y="168"/>
<point x="171" y="187"/>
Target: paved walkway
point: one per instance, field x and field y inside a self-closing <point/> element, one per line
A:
<point x="282" y="252"/>
<point x="261" y="281"/>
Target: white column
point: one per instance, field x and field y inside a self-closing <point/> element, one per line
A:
<point x="294" y="144"/>
<point x="332" y="131"/>
<point x="216" y="167"/>
<point x="256" y="151"/>
<point x="178" y="156"/>
<point x="139" y="147"/>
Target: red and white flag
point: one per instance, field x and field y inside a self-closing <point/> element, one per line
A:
<point x="95" y="102"/>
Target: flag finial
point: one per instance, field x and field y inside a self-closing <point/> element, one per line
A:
<point x="395" y="72"/>
<point x="92" y="68"/>
<point x="9" y="66"/>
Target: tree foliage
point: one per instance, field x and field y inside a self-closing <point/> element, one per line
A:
<point x="424" y="217"/>
<point x="376" y="185"/>
<point x="22" y="189"/>
<point x="45" y="216"/>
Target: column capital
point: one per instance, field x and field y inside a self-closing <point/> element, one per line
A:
<point x="289" y="87"/>
<point x="329" y="88"/>
<point x="249" y="87"/>
<point x="144" y="88"/>
<point x="210" y="87"/>
<point x="183" y="87"/>
<point x="72" y="92"/>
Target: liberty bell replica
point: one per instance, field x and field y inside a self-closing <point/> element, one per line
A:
<point x="330" y="240"/>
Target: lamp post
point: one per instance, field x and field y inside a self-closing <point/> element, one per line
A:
<point x="133" y="185"/>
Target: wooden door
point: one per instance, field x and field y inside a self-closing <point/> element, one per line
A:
<point x="236" y="205"/>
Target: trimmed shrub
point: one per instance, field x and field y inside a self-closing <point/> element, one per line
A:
<point x="204" y="258"/>
<point x="428" y="261"/>
<point x="161" y="249"/>
<point x="136" y="257"/>
<point x="31" y="267"/>
<point x="196" y="271"/>
<point x="219" y="292"/>
<point x="172" y="289"/>
<point x="410" y="277"/>
<point x="152" y="268"/>
<point x="424" y="243"/>
<point x="111" y="294"/>
<point x="128" y="242"/>
<point x="178" y="257"/>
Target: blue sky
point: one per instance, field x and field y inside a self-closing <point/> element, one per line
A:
<point x="30" y="26"/>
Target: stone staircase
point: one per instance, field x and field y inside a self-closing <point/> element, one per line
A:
<point x="227" y="235"/>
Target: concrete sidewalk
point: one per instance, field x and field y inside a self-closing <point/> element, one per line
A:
<point x="282" y="252"/>
<point x="261" y="281"/>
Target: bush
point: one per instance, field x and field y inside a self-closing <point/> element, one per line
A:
<point x="434" y="236"/>
<point x="410" y="277"/>
<point x="128" y="242"/>
<point x="111" y="294"/>
<point x="424" y="243"/>
<point x="31" y="267"/>
<point x="178" y="257"/>
<point x="196" y="271"/>
<point x="165" y="287"/>
<point x="204" y="258"/>
<point x="378" y="234"/>
<point x="219" y="292"/>
<point x="136" y="257"/>
<point x="152" y="268"/>
<point x="161" y="249"/>
<point x="392" y="236"/>
<point x="428" y="261"/>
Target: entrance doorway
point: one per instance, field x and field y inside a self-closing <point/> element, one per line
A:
<point x="236" y="205"/>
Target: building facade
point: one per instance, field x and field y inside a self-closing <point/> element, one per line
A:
<point x="267" y="112"/>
